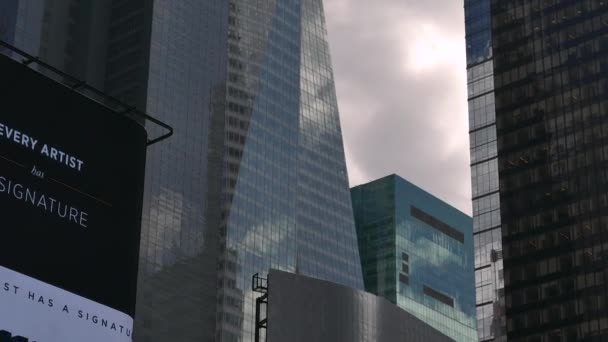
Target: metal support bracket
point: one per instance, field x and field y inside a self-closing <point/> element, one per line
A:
<point x="84" y="89"/>
<point x="260" y="285"/>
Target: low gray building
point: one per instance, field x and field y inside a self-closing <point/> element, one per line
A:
<point x="303" y="309"/>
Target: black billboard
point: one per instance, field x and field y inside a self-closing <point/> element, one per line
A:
<point x="71" y="189"/>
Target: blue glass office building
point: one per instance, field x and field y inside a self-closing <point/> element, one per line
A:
<point x="417" y="252"/>
<point x="255" y="175"/>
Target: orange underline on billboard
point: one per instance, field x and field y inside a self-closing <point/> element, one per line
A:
<point x="12" y="161"/>
<point x="81" y="192"/>
<point x="61" y="183"/>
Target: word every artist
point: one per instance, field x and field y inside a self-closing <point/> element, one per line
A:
<point x="46" y="150"/>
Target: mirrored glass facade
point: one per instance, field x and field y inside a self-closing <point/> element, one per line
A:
<point x="21" y="24"/>
<point x="285" y="199"/>
<point x="177" y="292"/>
<point x="489" y="278"/>
<point x="254" y="176"/>
<point x="417" y="252"/>
<point x="551" y="81"/>
<point x="327" y="240"/>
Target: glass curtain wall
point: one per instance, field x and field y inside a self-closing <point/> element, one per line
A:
<point x="551" y="81"/>
<point x="489" y="281"/>
<point x="285" y="200"/>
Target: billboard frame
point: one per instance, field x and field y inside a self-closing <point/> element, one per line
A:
<point x="85" y="89"/>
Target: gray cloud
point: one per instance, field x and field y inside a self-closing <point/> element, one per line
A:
<point x="401" y="82"/>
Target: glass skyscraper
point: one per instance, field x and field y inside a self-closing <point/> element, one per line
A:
<point x="417" y="252"/>
<point x="549" y="80"/>
<point x="254" y="176"/>
<point x="285" y="199"/>
<point x="489" y="278"/>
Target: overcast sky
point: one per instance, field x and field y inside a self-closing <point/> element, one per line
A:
<point x="400" y="73"/>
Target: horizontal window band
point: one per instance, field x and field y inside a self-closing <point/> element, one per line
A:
<point x="437" y="224"/>
<point x="445" y="299"/>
